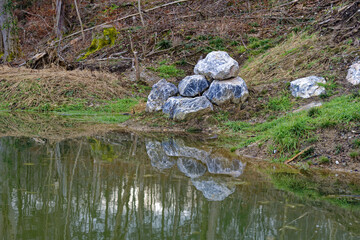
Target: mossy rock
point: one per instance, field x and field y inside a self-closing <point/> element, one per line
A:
<point x="106" y="38"/>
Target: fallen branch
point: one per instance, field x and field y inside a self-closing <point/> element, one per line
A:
<point x="119" y="19"/>
<point x="297" y="155"/>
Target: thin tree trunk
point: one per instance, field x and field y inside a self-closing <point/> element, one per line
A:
<point x="8" y="45"/>
<point x="81" y="24"/>
<point x="140" y="13"/>
<point x="60" y="18"/>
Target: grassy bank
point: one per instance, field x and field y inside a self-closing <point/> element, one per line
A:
<point x="286" y="135"/>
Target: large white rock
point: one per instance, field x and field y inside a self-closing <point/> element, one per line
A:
<point x="160" y="92"/>
<point x="232" y="90"/>
<point x="307" y="87"/>
<point x="192" y="86"/>
<point x="217" y="65"/>
<point x="353" y="75"/>
<point x="180" y="108"/>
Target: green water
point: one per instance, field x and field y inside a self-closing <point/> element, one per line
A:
<point x="124" y="186"/>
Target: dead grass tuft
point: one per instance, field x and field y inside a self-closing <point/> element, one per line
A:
<point x="25" y="88"/>
<point x="299" y="56"/>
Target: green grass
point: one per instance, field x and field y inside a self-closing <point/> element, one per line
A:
<point x="288" y="133"/>
<point x="168" y="71"/>
<point x="356" y="143"/>
<point x="81" y="105"/>
<point x="98" y="117"/>
<point x="354" y="154"/>
<point x="324" y="160"/>
<point x="281" y="103"/>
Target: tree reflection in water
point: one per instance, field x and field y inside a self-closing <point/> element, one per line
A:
<point x="121" y="186"/>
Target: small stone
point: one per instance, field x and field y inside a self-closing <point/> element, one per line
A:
<point x="307" y="87"/>
<point x="337" y="162"/>
<point x="192" y="86"/>
<point x="160" y="92"/>
<point x="217" y="65"/>
<point x="233" y="90"/>
<point x="308" y="106"/>
<point x="353" y="75"/>
<point x="181" y="108"/>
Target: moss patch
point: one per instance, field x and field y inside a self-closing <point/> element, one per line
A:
<point x="107" y="38"/>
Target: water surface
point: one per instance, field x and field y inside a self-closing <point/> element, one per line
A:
<point x="124" y="186"/>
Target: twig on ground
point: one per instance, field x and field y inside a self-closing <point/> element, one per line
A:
<point x="297" y="155"/>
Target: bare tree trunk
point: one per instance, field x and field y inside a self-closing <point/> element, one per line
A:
<point x="79" y="17"/>
<point x="60" y="18"/>
<point x="9" y="44"/>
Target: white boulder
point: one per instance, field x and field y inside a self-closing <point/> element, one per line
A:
<point x="160" y="92"/>
<point x="217" y="65"/>
<point x="307" y="87"/>
<point x="232" y="90"/>
<point x="353" y="75"/>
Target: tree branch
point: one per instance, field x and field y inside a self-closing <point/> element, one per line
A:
<point x="122" y="18"/>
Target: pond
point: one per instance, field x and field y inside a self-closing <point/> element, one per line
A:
<point x="128" y="186"/>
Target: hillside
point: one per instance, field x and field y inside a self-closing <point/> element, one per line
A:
<point x="275" y="42"/>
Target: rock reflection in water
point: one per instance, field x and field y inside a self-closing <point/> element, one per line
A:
<point x="222" y="165"/>
<point x="213" y="189"/>
<point x="191" y="167"/>
<point x="157" y="155"/>
<point x="177" y="148"/>
<point x="191" y="161"/>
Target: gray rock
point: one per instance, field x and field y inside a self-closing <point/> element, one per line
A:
<point x="157" y="155"/>
<point x="213" y="190"/>
<point x="222" y="165"/>
<point x="307" y="87"/>
<point x="160" y="92"/>
<point x="217" y="65"/>
<point x="233" y="90"/>
<point x="353" y="75"/>
<point x="308" y="106"/>
<point x="192" y="86"/>
<point x="177" y="148"/>
<point x="191" y="167"/>
<point x="180" y="108"/>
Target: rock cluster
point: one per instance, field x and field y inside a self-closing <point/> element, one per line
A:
<point x="216" y="82"/>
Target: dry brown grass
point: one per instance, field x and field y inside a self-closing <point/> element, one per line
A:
<point x="30" y="88"/>
<point x="298" y="56"/>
